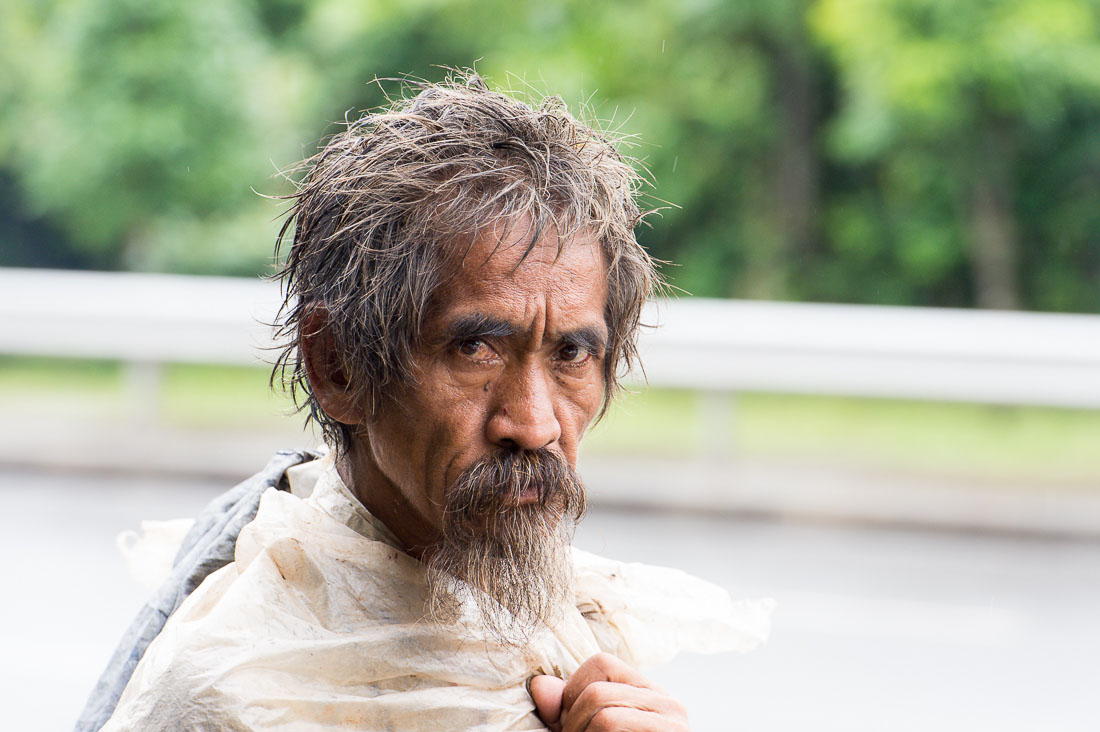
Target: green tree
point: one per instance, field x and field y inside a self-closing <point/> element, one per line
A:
<point x="942" y="102"/>
<point x="724" y="100"/>
<point x="144" y="117"/>
<point x="893" y="151"/>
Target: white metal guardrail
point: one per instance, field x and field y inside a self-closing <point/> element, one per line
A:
<point x="710" y="345"/>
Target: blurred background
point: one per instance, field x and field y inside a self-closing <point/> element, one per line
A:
<point x="877" y="398"/>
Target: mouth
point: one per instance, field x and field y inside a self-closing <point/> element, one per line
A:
<point x="528" y="495"/>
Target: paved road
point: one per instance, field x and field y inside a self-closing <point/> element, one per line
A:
<point x="875" y="630"/>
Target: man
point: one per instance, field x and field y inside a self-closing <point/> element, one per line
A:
<point x="463" y="290"/>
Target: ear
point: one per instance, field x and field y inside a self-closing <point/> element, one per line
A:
<point x="325" y="369"/>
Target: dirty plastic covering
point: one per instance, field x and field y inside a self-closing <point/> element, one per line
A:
<point x="321" y="623"/>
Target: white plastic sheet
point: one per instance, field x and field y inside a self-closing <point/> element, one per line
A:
<point x="320" y="623"/>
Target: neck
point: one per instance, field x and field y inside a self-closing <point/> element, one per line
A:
<point x="383" y="500"/>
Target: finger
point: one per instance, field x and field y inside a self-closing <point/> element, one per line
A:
<point x="602" y="695"/>
<point x="546" y="692"/>
<point x="624" y="719"/>
<point x="602" y="667"/>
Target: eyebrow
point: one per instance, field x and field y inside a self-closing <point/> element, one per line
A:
<point x="479" y="325"/>
<point x="590" y="339"/>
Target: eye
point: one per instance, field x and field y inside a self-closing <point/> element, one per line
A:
<point x="573" y="354"/>
<point x="470" y="347"/>
<point x="475" y="349"/>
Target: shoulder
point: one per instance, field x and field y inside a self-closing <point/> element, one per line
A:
<point x="171" y="688"/>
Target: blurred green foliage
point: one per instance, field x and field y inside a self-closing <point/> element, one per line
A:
<point x="892" y="151"/>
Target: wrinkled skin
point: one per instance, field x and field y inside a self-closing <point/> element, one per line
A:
<point x="606" y="694"/>
<point x="513" y="357"/>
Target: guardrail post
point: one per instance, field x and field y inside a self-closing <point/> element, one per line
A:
<point x="143" y="382"/>
<point x="717" y="412"/>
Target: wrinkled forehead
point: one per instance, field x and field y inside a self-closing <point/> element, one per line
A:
<point x="506" y="272"/>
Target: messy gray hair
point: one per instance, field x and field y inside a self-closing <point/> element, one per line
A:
<point x="388" y="196"/>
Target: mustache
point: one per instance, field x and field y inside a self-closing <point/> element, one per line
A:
<point x="501" y="479"/>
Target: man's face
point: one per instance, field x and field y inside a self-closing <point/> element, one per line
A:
<point x="512" y="359"/>
<point x="472" y="464"/>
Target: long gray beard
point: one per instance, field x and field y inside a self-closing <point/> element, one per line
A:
<point x="517" y="556"/>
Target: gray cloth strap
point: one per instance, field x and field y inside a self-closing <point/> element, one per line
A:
<point x="208" y="547"/>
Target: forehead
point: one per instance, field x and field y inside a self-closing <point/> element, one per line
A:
<point x="502" y="273"/>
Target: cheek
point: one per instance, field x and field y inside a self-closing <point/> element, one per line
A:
<point x="407" y="436"/>
<point x="455" y="410"/>
<point x="395" y="448"/>
<point x="581" y="407"/>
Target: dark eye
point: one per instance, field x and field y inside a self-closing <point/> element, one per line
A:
<point x="474" y="348"/>
<point x="571" y="353"/>
<point x="470" y="347"/>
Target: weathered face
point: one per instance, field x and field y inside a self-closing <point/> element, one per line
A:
<point x="512" y="360"/>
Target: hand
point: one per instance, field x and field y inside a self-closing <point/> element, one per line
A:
<point x="606" y="695"/>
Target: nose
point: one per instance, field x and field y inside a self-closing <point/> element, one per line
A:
<point x="523" y="414"/>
